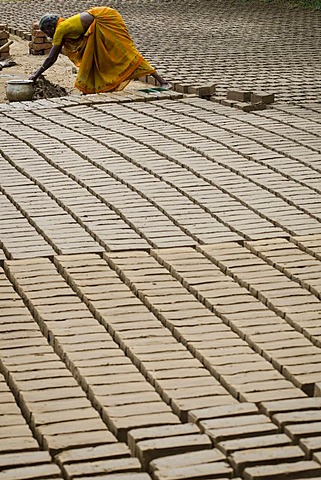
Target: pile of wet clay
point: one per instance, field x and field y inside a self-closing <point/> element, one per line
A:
<point x="46" y="89"/>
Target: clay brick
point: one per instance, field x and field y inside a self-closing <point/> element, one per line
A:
<point x="118" y="465"/>
<point x="264" y="456"/>
<point x="286" y="471"/>
<point x="48" y="470"/>
<point x="203" y="90"/>
<point x="139" y="434"/>
<point x="219" y="470"/>
<point x="57" y="443"/>
<point x="186" y="459"/>
<point x="148" y="450"/>
<point x="222" y="411"/>
<point x="239" y="95"/>
<point x="310" y="444"/>
<point x="99" y="452"/>
<point x="230" y="446"/>
<point x="22" y="458"/>
<point x="262" y="97"/>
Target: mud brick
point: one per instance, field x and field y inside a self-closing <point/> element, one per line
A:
<point x="202" y="90"/>
<point x="116" y="465"/>
<point x="3" y="26"/>
<point x="300" y="430"/>
<point x="47" y="470"/>
<point x="32" y="51"/>
<point x="182" y="87"/>
<point x="230" y="446"/>
<point x="186" y="459"/>
<point x="20" y="459"/>
<point x="284" y="471"/>
<point x="264" y="456"/>
<point x="271" y="408"/>
<point x="297" y="417"/>
<point x="99" y="452"/>
<point x="57" y="443"/>
<point x="317" y="457"/>
<point x="38" y="33"/>
<point x="162" y="431"/>
<point x="206" y="471"/>
<point x="35" y="39"/>
<point x="148" y="450"/>
<point x="239" y="431"/>
<point x="262" y="97"/>
<point x="310" y="444"/>
<point x="120" y="426"/>
<point x="39" y="46"/>
<point x="18" y="444"/>
<point x="227" y="103"/>
<point x="4" y="35"/>
<point x="116" y="476"/>
<point x="249" y="107"/>
<point x="239" y="95"/>
<point x="223" y="411"/>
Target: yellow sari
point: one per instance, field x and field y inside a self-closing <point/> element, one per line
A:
<point x="105" y="55"/>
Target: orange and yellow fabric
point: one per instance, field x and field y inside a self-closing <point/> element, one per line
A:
<point x="105" y="55"/>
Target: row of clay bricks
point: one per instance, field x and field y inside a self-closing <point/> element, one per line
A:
<point x="205" y="335"/>
<point x="113" y="384"/>
<point x="60" y="415"/>
<point x="147" y="443"/>
<point x="64" y="233"/>
<point x="275" y="338"/>
<point x="172" y="149"/>
<point x="248" y="141"/>
<point x="289" y="259"/>
<point x="279" y="292"/>
<point x="301" y="141"/>
<point x="19" y="239"/>
<point x="217" y="203"/>
<point x="107" y="227"/>
<point x="224" y="306"/>
<point x="4" y="38"/>
<point x="56" y="408"/>
<point x="304" y="132"/>
<point x="168" y="200"/>
<point x="129" y="204"/>
<point x="231" y="167"/>
<point x="266" y="132"/>
<point x="256" y="448"/>
<point x="108" y="311"/>
<point x="246" y="101"/>
<point x="70" y="100"/>
<point x="20" y="454"/>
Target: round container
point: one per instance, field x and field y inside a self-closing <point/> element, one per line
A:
<point x="19" y="90"/>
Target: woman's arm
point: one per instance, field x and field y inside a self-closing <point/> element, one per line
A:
<point x="49" y="61"/>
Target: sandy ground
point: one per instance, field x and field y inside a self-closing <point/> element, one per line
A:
<point x="62" y="73"/>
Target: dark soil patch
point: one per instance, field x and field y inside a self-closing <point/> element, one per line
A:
<point x="46" y="89"/>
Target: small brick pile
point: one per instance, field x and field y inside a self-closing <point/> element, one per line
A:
<point x="4" y="38"/>
<point x="246" y="100"/>
<point x="39" y="44"/>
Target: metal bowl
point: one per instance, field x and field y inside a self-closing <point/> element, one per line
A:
<point x="19" y="90"/>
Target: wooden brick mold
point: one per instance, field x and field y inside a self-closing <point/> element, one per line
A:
<point x="4" y="38"/>
<point x="39" y="44"/>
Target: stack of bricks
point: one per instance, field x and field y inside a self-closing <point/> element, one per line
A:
<point x="39" y="44"/>
<point x="4" y="38"/>
<point x="246" y="100"/>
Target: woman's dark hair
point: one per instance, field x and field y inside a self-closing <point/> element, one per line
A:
<point x="48" y="21"/>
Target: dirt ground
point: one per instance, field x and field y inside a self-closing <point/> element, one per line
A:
<point x="62" y="74"/>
